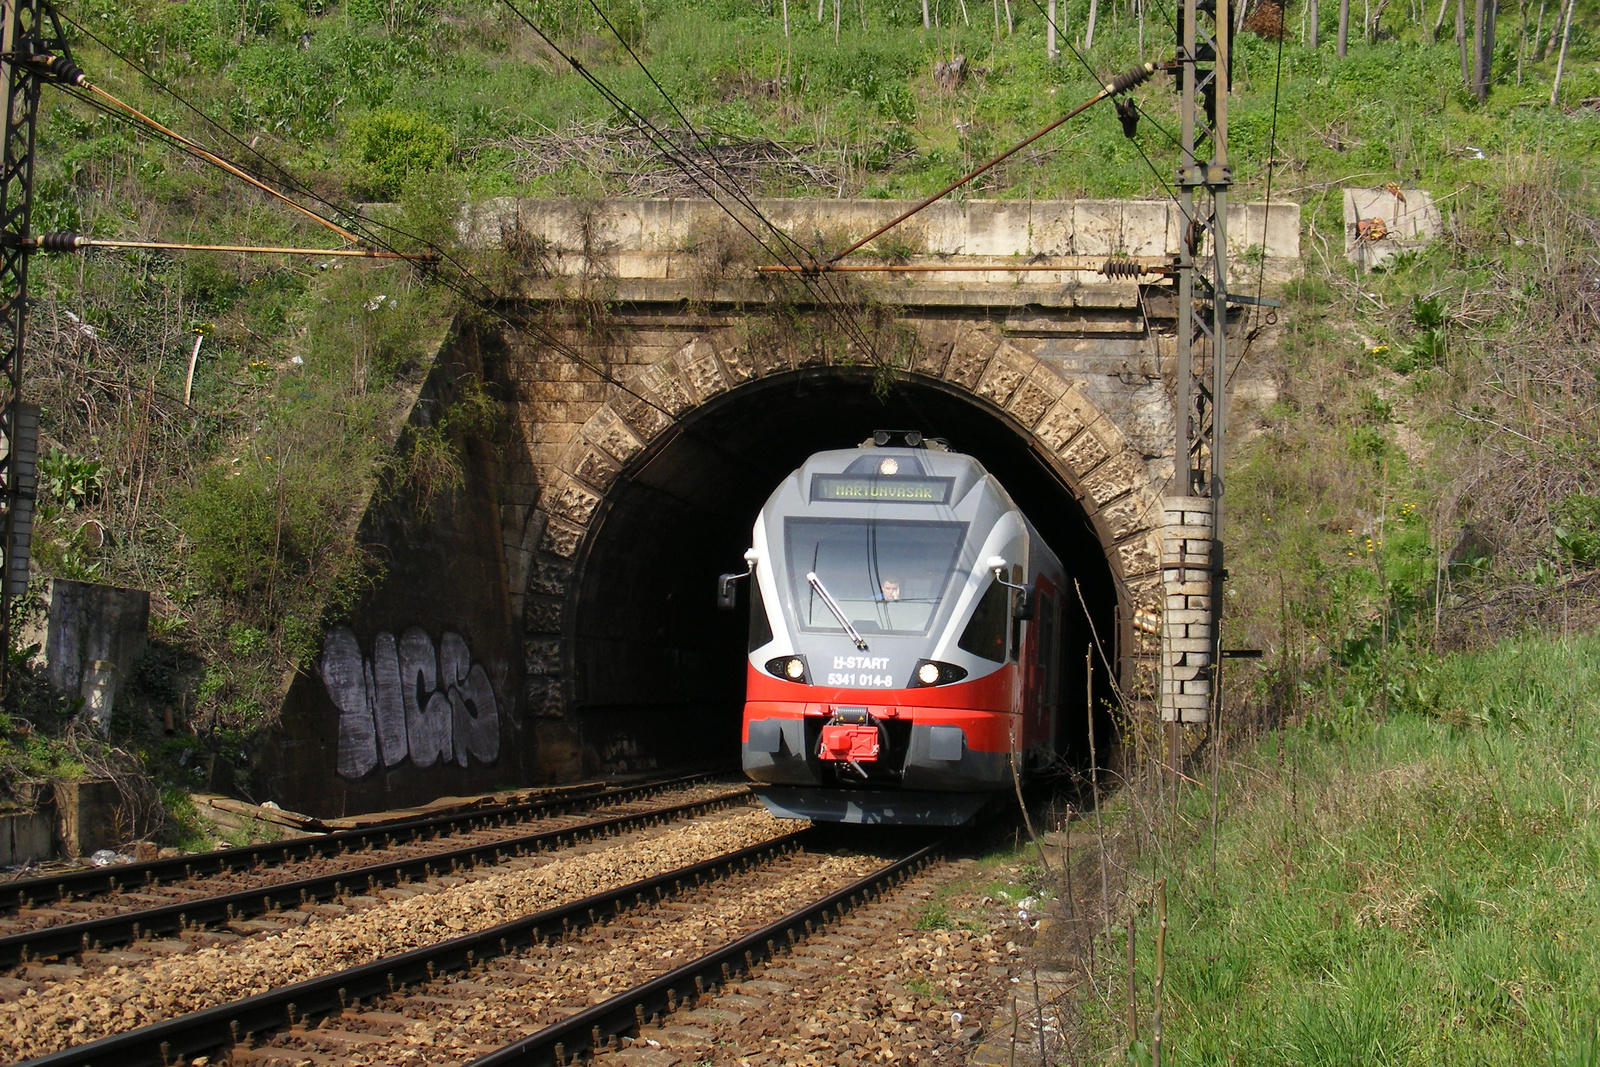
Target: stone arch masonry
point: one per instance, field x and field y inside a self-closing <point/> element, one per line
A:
<point x="661" y="297"/>
<point x="1077" y="361"/>
<point x="1092" y="456"/>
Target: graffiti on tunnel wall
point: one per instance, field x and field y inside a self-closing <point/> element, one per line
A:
<point x="409" y="700"/>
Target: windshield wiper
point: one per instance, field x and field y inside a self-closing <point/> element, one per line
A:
<point x="838" y="612"/>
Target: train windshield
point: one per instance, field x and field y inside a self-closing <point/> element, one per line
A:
<point x="888" y="576"/>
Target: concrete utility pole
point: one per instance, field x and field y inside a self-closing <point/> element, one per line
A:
<point x="30" y="29"/>
<point x="1192" y="548"/>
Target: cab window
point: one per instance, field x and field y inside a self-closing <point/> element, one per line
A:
<point x="985" y="634"/>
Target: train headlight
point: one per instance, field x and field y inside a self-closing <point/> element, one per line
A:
<point x="789" y="668"/>
<point x="933" y="672"/>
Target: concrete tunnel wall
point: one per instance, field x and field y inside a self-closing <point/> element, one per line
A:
<point x="509" y="645"/>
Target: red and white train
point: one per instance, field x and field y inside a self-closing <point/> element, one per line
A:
<point x="905" y="623"/>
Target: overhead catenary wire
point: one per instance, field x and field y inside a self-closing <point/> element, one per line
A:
<point x="71" y="74"/>
<point x="731" y="185"/>
<point x="72" y="242"/>
<point x="356" y="218"/>
<point x="485" y="299"/>
<point x="1272" y="149"/>
<point x="1088" y="67"/>
<point x="694" y="170"/>
<point x="1121" y="83"/>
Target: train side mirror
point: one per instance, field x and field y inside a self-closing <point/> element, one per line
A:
<point x="1025" y="604"/>
<point x="728" y="590"/>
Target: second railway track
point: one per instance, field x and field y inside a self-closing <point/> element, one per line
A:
<point x="234" y="897"/>
<point x="441" y="982"/>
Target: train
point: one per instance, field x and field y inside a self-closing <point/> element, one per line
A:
<point x="904" y="642"/>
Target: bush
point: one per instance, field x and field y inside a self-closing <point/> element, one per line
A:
<point x="230" y="519"/>
<point x="391" y="147"/>
<point x="1577" y="529"/>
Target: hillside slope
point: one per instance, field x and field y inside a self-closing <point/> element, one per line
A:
<point x="1457" y="391"/>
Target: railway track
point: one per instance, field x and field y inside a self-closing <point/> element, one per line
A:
<point x="86" y="883"/>
<point x="542" y="987"/>
<point x="316" y="872"/>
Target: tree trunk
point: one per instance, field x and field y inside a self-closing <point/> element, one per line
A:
<point x="1051" y="48"/>
<point x="1438" y="23"/>
<point x="838" y="10"/>
<point x="1010" y="26"/>
<point x="1088" y="33"/>
<point x="1482" y="47"/>
<point x="1561" y="60"/>
<point x="1522" y="35"/>
<point x="1314" y="16"/>
<point x="1461" y="43"/>
<point x="785" y="20"/>
<point x="1538" y="33"/>
<point x="926" y="24"/>
<point x="1344" y="25"/>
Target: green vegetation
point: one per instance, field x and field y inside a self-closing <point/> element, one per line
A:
<point x="1415" y="885"/>
<point x="1423" y="478"/>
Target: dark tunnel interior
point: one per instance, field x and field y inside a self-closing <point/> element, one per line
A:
<point x="657" y="668"/>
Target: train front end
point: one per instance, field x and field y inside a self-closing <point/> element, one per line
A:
<point x="883" y="684"/>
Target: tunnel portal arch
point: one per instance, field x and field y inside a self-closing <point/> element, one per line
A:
<point x="686" y="454"/>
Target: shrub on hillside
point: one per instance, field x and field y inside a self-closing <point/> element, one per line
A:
<point x="391" y="147"/>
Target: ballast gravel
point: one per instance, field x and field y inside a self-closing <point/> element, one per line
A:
<point x="71" y="1012"/>
<point x="514" y="997"/>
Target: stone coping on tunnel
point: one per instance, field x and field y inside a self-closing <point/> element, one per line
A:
<point x="696" y="241"/>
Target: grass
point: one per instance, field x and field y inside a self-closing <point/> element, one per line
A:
<point x="1420" y="886"/>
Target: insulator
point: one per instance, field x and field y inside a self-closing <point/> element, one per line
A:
<point x="62" y="69"/>
<point x="1121" y="267"/>
<point x="1128" y="79"/>
<point x="58" y="242"/>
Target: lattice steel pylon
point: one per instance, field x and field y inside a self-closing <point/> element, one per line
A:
<point x="1192" y="547"/>
<point x="30" y="33"/>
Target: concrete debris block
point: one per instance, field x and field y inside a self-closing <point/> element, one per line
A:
<point x="89" y="815"/>
<point x="26" y="837"/>
<point x="950" y="73"/>
<point x="1381" y="223"/>
<point x="94" y="636"/>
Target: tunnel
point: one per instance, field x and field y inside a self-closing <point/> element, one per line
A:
<point x="656" y="669"/>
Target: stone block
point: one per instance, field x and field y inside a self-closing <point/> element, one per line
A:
<point x="1188" y="617"/>
<point x="1124" y="516"/>
<point x="1408" y="221"/>
<point x="1007" y="370"/>
<point x="608" y="432"/>
<point x="561" y="538"/>
<point x="89" y="815"/>
<point x="1188" y="644"/>
<point x="1137" y="556"/>
<point x="1178" y="532"/>
<point x="27" y="837"/>
<point x="697" y="363"/>
<point x="1084" y="453"/>
<point x="94" y="636"/>
<point x="1034" y="397"/>
<point x="570" y="501"/>
<point x="1117" y="475"/>
<point x="733" y="349"/>
<point x="1059" y="425"/>
<point x="593" y="469"/>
